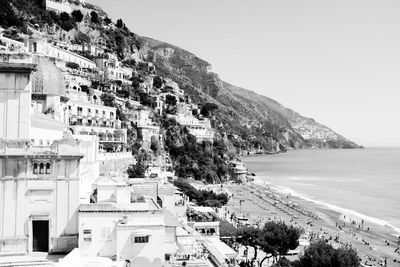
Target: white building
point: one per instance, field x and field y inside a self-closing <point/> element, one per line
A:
<point x="41" y="46"/>
<point x="133" y="227"/>
<point x="87" y="116"/>
<point x="113" y="68"/>
<point x="39" y="185"/>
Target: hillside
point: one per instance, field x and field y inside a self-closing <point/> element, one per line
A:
<point x="254" y="117"/>
<point x="243" y="119"/>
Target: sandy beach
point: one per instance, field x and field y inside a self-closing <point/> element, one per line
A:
<point x="261" y="202"/>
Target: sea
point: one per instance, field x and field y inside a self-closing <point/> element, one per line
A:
<point x="359" y="182"/>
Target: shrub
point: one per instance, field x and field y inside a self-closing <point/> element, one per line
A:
<point x="77" y="15"/>
<point x="94" y="17"/>
<point x="157" y="82"/>
<point x="73" y="65"/>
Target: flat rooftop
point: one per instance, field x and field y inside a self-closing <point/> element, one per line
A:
<point x="148" y="205"/>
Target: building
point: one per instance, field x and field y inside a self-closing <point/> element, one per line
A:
<point x="87" y="116"/>
<point x="60" y="6"/>
<point x="133" y="227"/>
<point x="41" y="46"/>
<point x="219" y="252"/>
<point x="40" y="183"/>
<point x="113" y="68"/>
<point x="147" y="130"/>
<point x="7" y="44"/>
<point x="239" y="169"/>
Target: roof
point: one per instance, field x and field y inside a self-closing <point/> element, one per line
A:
<point x="219" y="249"/>
<point x="40" y="120"/>
<point x="203" y="209"/>
<point x="115" y="207"/>
<point x="17" y="67"/>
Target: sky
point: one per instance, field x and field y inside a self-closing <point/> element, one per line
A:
<point x="336" y="61"/>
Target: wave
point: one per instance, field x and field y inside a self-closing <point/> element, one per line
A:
<point x="343" y="211"/>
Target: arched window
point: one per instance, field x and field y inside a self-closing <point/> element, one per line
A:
<point x="48" y="168"/>
<point x="41" y="168"/>
<point x="35" y="168"/>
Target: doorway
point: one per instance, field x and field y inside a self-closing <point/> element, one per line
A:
<point x="40" y="236"/>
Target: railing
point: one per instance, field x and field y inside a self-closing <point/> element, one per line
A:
<point x="94" y="126"/>
<point x="114" y="156"/>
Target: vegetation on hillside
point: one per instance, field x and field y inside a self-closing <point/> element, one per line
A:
<point x="201" y="161"/>
<point x="201" y="197"/>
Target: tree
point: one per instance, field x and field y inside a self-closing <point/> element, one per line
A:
<point x="108" y="99"/>
<point x="322" y="254"/>
<point x="157" y="82"/>
<point x="170" y="100"/>
<point x="249" y="237"/>
<point x="94" y="17"/>
<point x="66" y="22"/>
<point x="138" y="170"/>
<point x="207" y="109"/>
<point x="120" y="24"/>
<point x="107" y="20"/>
<point x="274" y="238"/>
<point x="278" y="238"/>
<point x="136" y="81"/>
<point x="7" y="15"/>
<point x="154" y="145"/>
<point x="77" y="15"/>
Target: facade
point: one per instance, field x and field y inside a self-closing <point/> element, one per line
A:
<point x="39" y="183"/>
<point x="87" y="116"/>
<point x="60" y="6"/>
<point x="41" y="46"/>
<point x="146" y="128"/>
<point x="134" y="227"/>
<point x="7" y="44"/>
<point x="113" y="69"/>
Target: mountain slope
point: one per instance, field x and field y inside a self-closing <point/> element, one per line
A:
<point x="279" y="126"/>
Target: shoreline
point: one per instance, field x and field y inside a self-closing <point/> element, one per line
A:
<point x="264" y="202"/>
<point x="340" y="210"/>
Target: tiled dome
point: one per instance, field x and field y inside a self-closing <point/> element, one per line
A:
<point x="48" y="79"/>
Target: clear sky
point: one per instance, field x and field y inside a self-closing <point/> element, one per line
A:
<point x="336" y="61"/>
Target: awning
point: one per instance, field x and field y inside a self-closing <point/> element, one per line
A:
<point x="141" y="232"/>
<point x="219" y="248"/>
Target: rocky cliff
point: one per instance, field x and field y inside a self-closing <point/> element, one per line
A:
<point x="251" y="120"/>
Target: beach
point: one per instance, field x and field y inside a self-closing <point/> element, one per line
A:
<point x="259" y="202"/>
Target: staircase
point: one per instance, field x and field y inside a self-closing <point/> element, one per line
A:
<point x="35" y="259"/>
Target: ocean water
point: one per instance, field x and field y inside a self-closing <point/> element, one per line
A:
<point x="361" y="182"/>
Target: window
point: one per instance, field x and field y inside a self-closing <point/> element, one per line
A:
<point x="41" y="168"/>
<point x="35" y="168"/>
<point x="105" y="233"/>
<point x="141" y="239"/>
<point x="40" y="142"/>
<point x="87" y="235"/>
<point x="48" y="168"/>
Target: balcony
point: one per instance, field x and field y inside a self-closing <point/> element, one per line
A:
<point x="105" y="134"/>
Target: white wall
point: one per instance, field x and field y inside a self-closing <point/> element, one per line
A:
<point x="120" y="242"/>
